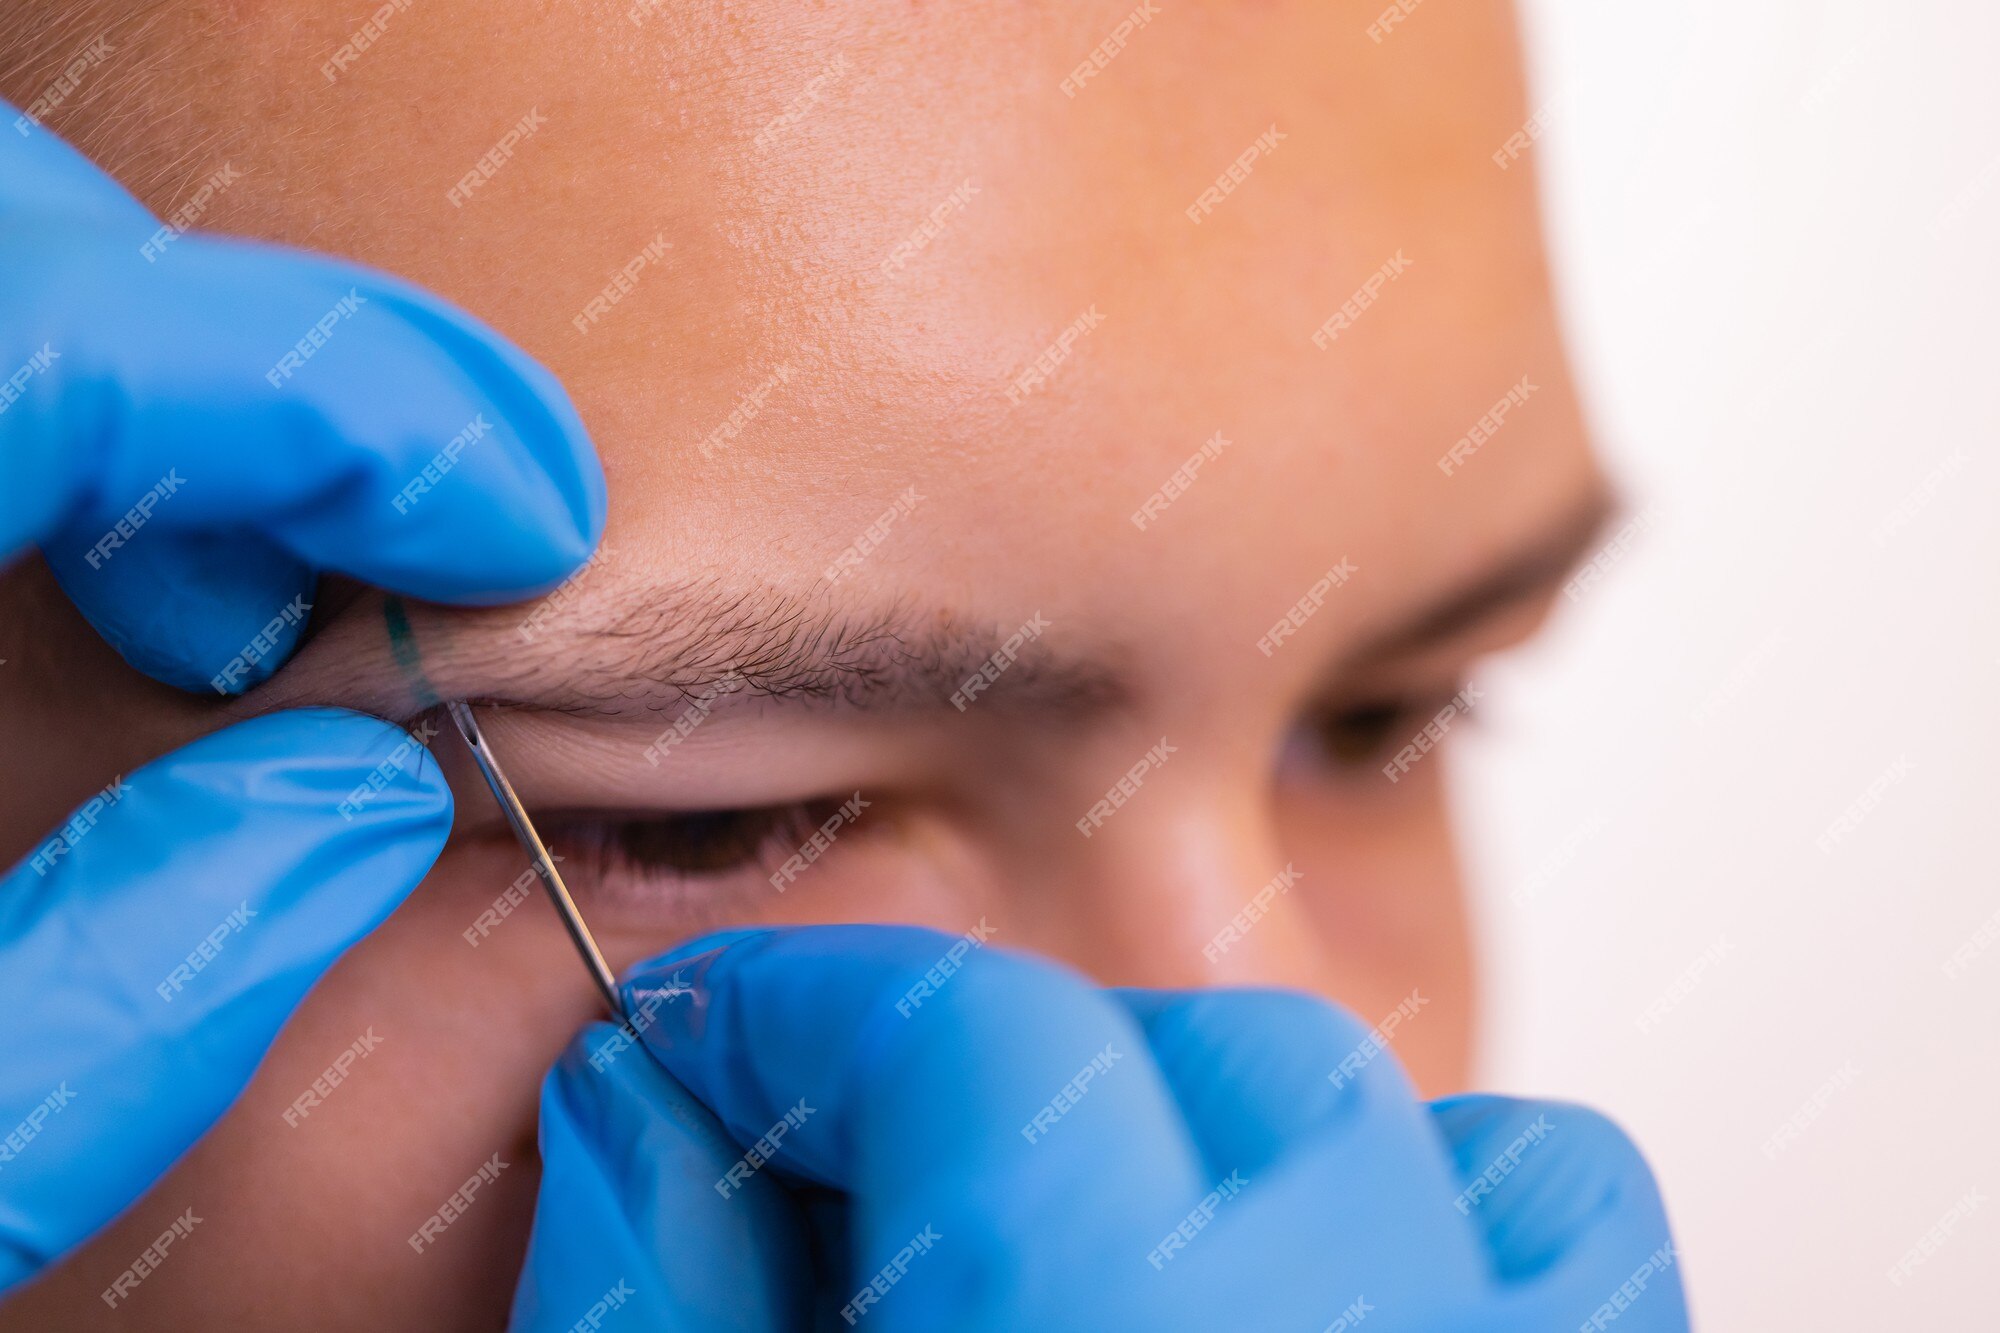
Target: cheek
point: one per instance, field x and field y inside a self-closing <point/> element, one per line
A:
<point x="1381" y="886"/>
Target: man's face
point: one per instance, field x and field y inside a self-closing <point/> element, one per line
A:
<point x="1043" y="447"/>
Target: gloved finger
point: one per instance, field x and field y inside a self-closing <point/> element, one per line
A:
<point x="959" y="1117"/>
<point x="647" y="1212"/>
<point x="44" y="174"/>
<point x="194" y="433"/>
<point x="1296" y="1098"/>
<point x="1568" y="1208"/>
<point x="151" y="948"/>
<point x="1257" y="1072"/>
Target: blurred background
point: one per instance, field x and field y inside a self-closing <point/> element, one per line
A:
<point x="1732" y="822"/>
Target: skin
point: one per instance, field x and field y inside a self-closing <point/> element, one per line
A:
<point x="896" y="379"/>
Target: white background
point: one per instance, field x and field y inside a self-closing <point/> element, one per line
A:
<point x="1775" y="228"/>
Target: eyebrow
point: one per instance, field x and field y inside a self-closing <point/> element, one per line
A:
<point x="1534" y="570"/>
<point x="699" y="639"/>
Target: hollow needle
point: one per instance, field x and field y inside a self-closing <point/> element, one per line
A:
<point x="545" y="868"/>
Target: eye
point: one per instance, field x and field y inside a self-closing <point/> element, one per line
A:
<point x="1352" y="737"/>
<point x="694" y="845"/>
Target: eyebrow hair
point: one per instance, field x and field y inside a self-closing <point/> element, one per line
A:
<point x="1531" y="571"/>
<point x="696" y="639"/>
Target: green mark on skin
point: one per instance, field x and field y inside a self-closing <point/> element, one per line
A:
<point x="403" y="647"/>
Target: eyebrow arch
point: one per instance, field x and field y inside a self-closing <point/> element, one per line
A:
<point x="1531" y="571"/>
<point x="698" y="640"/>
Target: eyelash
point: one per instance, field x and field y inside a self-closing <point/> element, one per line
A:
<point x="704" y="846"/>
<point x="688" y="849"/>
<point x="1353" y="737"/>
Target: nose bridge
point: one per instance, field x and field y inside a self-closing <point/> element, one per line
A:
<point x="1189" y="887"/>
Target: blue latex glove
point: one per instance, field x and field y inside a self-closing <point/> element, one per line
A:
<point x="1009" y="1147"/>
<point x="193" y="437"/>
<point x="152" y="946"/>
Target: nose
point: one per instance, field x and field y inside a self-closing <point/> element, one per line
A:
<point x="1189" y="889"/>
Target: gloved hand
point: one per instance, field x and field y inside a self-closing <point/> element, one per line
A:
<point x="192" y="443"/>
<point x="193" y="437"/>
<point x="992" y="1143"/>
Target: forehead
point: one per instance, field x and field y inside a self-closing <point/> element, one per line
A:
<point x="975" y="283"/>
